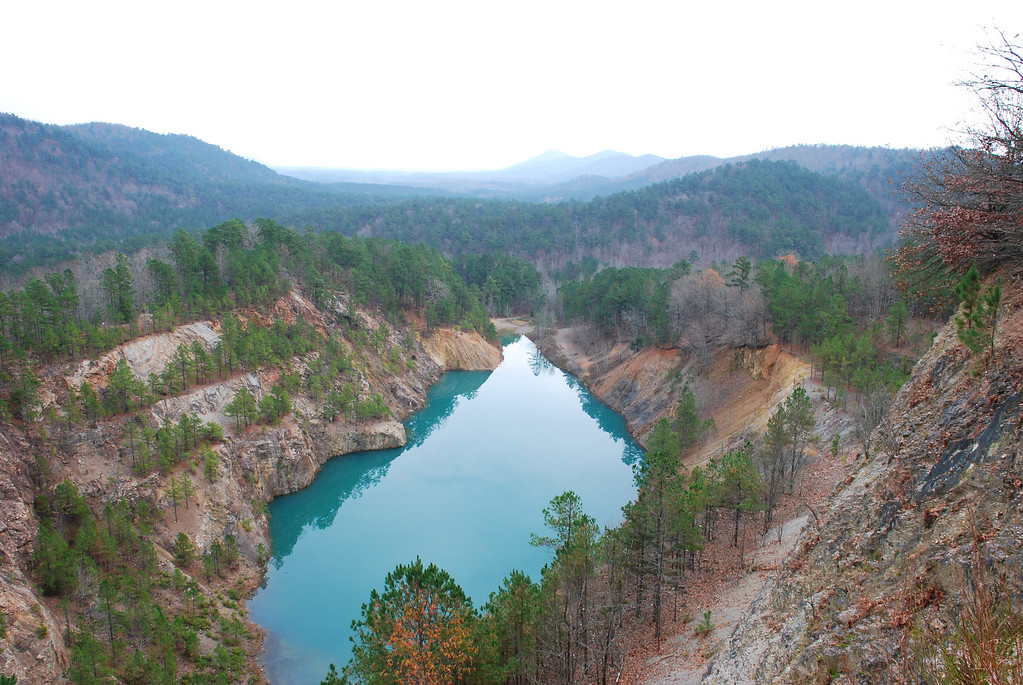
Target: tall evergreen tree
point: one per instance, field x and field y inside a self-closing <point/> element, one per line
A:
<point x="737" y="486"/>
<point x="418" y="629"/>
<point x="799" y="421"/>
<point x="898" y="315"/>
<point x="117" y="283"/>
<point x="242" y="407"/>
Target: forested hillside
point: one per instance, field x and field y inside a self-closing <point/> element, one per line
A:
<point x="224" y="366"/>
<point x="762" y="209"/>
<point x="881" y="171"/>
<point x="94" y="187"/>
<point x="70" y="191"/>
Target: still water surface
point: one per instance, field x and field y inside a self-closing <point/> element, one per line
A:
<point x="483" y="459"/>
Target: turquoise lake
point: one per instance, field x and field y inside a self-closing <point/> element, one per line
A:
<point x="483" y="459"/>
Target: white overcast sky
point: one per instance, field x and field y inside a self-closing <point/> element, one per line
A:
<point x="482" y="84"/>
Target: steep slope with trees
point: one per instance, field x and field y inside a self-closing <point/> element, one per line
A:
<point x="96" y="187"/>
<point x="921" y="549"/>
<point x="912" y="572"/>
<point x="137" y="467"/>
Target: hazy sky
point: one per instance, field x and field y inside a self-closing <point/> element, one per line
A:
<point x="482" y="84"/>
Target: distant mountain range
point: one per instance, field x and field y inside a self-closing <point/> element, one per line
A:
<point x="555" y="176"/>
<point x="549" y="168"/>
<point x="104" y="185"/>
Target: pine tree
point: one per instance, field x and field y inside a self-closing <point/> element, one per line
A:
<point x="737" y="485"/>
<point x="184" y="550"/>
<point x="174" y="492"/>
<point x="202" y="362"/>
<point x="772" y="461"/>
<point x="117" y="283"/>
<point x="799" y="421"/>
<point x="992" y="301"/>
<point x="417" y="630"/>
<point x="968" y="322"/>
<point x="511" y="625"/>
<point x="131" y="439"/>
<point x="183" y="364"/>
<point x="739" y="275"/>
<point x="568" y="576"/>
<point x="210" y="462"/>
<point x="242" y="407"/>
<point x="898" y="315"/>
<point x="659" y="511"/>
<point x="187" y="487"/>
<point x="123" y="389"/>
<point x="54" y="560"/>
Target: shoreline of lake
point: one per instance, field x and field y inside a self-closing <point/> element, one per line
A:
<point x="535" y="366"/>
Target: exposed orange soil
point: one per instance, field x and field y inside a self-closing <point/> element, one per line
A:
<point x="740" y="389"/>
<point x="741" y="400"/>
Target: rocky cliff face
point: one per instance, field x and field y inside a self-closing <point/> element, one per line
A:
<point x="256" y="463"/>
<point x="450" y="349"/>
<point x="145" y="355"/>
<point x="641" y="386"/>
<point x="33" y="648"/>
<point x="739" y="387"/>
<point x="885" y="573"/>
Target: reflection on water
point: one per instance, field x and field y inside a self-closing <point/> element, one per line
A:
<point x="608" y="421"/>
<point x="444" y="397"/>
<point x="348" y="477"/>
<point x="540" y="364"/>
<point x="483" y="459"/>
<point x="340" y="480"/>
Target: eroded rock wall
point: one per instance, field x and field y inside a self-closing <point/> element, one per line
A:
<point x="33" y="648"/>
<point x="884" y="573"/>
<point x="450" y="350"/>
<point x="739" y="388"/>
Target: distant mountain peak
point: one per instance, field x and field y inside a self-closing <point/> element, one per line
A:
<point x="548" y="156"/>
<point x="555" y="166"/>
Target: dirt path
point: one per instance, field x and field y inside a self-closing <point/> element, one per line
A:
<point x="729" y="582"/>
<point x="573" y="352"/>
<point x="686" y="656"/>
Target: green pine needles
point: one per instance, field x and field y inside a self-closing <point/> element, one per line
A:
<point x="978" y="313"/>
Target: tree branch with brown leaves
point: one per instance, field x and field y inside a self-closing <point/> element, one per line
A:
<point x="970" y="199"/>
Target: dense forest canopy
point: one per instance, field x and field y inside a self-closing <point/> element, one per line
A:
<point x="86" y="189"/>
<point x="97" y="187"/>
<point x="769" y="208"/>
